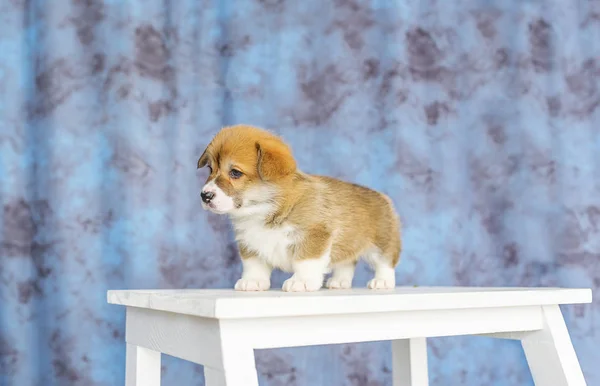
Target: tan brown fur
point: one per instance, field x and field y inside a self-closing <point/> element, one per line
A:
<point x="350" y="219"/>
<point x="358" y="218"/>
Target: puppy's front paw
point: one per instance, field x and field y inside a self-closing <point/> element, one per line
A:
<point x="333" y="283"/>
<point x="381" y="284"/>
<point x="252" y="285"/>
<point x="296" y="285"/>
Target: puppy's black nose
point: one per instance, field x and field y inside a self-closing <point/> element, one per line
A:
<point x="207" y="196"/>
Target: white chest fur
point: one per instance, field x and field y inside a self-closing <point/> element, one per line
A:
<point x="270" y="243"/>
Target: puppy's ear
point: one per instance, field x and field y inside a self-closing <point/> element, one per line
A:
<point x="275" y="160"/>
<point x="203" y="160"/>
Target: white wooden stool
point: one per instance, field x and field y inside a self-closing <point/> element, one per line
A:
<point x="221" y="328"/>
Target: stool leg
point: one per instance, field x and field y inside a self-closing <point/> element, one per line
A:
<point x="550" y="353"/>
<point x="237" y="376"/>
<point x="410" y="362"/>
<point x="238" y="368"/>
<point x="143" y="366"/>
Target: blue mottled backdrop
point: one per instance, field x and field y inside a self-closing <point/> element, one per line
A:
<point x="480" y="118"/>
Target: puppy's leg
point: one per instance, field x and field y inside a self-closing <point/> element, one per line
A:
<point x="385" y="274"/>
<point x="311" y="261"/>
<point x="256" y="275"/>
<point x="308" y="275"/>
<point x="384" y="261"/>
<point x="386" y="254"/>
<point x="343" y="273"/>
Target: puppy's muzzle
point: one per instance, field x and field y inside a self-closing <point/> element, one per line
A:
<point x="207" y="196"/>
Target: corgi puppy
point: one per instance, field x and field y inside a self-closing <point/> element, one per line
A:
<point x="300" y="223"/>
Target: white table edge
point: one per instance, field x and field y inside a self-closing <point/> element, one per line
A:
<point x="237" y="307"/>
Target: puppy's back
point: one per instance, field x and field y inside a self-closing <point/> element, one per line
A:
<point x="364" y="218"/>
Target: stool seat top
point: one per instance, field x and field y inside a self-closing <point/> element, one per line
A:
<point x="230" y="304"/>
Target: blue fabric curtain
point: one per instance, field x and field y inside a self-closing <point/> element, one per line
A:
<point x="480" y="118"/>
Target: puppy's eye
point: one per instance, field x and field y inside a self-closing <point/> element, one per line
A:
<point x="235" y="174"/>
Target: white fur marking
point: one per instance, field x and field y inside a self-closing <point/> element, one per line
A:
<point x="308" y="274"/>
<point x="256" y="276"/>
<point x="256" y="203"/>
<point x="385" y="275"/>
<point x="221" y="202"/>
<point x="342" y="276"/>
<point x="271" y="244"/>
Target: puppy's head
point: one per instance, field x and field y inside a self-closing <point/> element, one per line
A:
<point x="246" y="164"/>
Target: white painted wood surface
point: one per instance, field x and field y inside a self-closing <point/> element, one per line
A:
<point x="550" y="354"/>
<point x="410" y="362"/>
<point x="226" y="304"/>
<point x="220" y="328"/>
<point x="142" y="366"/>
